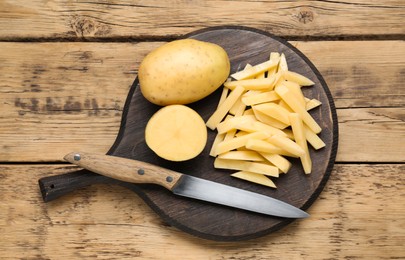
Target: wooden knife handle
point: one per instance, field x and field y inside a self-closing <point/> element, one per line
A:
<point x="126" y="170"/>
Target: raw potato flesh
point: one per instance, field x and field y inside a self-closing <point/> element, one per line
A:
<point x="265" y="121"/>
<point x="176" y="133"/>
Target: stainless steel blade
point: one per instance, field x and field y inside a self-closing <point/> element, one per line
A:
<point x="201" y="189"/>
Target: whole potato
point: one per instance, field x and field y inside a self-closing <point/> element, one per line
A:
<point x="183" y="71"/>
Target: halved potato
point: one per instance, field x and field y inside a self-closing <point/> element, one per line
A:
<point x="176" y="133"/>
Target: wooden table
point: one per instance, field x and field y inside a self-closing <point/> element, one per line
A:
<point x="66" y="69"/>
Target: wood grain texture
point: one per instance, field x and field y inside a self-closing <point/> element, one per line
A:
<point x="101" y="19"/>
<point x="56" y="97"/>
<point x="206" y="219"/>
<point x="379" y="131"/>
<point x="79" y="89"/>
<point x="125" y="170"/>
<point x="360" y="74"/>
<point x="359" y="215"/>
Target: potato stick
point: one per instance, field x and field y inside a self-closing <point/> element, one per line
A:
<point x="228" y="145"/>
<point x="313" y="103"/>
<point x="261" y="75"/>
<point x="259" y="126"/>
<point x="231" y="122"/>
<point x="263" y="146"/>
<point x="274" y="56"/>
<point x="279" y="78"/>
<point x="241" y="133"/>
<point x="223" y="109"/>
<point x="284" y="105"/>
<point x="252" y="84"/>
<point x="254" y="177"/>
<point x="287" y="144"/>
<point x="260" y="98"/>
<point x="224" y="94"/>
<point x="238" y="108"/>
<point x="248" y="112"/>
<point x="253" y="92"/>
<point x="246" y="126"/>
<point x="289" y="133"/>
<point x="313" y="139"/>
<point x="298" y="78"/>
<point x="230" y="134"/>
<point x="271" y="72"/>
<point x="279" y="161"/>
<point x="298" y="131"/>
<point x="242" y="155"/>
<point x="256" y="167"/>
<point x="268" y="120"/>
<point x="292" y="102"/>
<point x="282" y="66"/>
<point x="275" y="111"/>
<point x="218" y="138"/>
<point x="225" y="125"/>
<point x="296" y="90"/>
<point x="255" y="70"/>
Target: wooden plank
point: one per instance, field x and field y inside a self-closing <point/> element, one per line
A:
<point x="88" y="19"/>
<point x="358" y="215"/>
<point x="72" y="98"/>
<point x="373" y="134"/>
<point x="50" y="85"/>
<point x="360" y="74"/>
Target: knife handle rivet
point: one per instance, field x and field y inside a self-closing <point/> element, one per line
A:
<point x="169" y="178"/>
<point x="141" y="171"/>
<point x="77" y="157"/>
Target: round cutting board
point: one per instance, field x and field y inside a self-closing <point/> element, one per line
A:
<point x="203" y="219"/>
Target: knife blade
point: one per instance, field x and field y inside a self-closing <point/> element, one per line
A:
<point x="134" y="171"/>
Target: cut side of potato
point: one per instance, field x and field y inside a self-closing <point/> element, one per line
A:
<point x="275" y="111"/>
<point x="259" y="98"/>
<point x="224" y="108"/>
<point x="268" y="119"/>
<point x="242" y="155"/>
<point x="244" y="123"/>
<point x="287" y="145"/>
<point x="238" y="108"/>
<point x="296" y="90"/>
<point x="228" y="145"/>
<point x="255" y="70"/>
<point x="256" y="167"/>
<point x="259" y="126"/>
<point x="218" y="138"/>
<point x="282" y="66"/>
<point x="224" y="94"/>
<point x="279" y="161"/>
<point x="313" y="103"/>
<point x="252" y="84"/>
<point x="263" y="146"/>
<point x="292" y="102"/>
<point x="299" y="136"/>
<point x="312" y="138"/>
<point x="255" y="178"/>
<point x="298" y="78"/>
<point x="176" y="133"/>
<point x="266" y="124"/>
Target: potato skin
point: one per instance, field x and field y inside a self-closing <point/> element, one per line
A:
<point x="183" y="71"/>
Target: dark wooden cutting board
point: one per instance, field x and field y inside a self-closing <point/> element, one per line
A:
<point x="207" y="220"/>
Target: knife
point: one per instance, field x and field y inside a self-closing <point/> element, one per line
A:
<point x="134" y="171"/>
